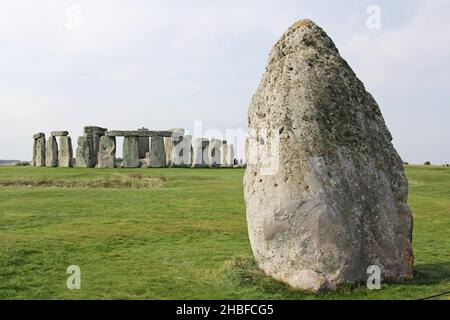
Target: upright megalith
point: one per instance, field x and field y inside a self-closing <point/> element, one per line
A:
<point x="215" y="158"/>
<point x="130" y="152"/>
<point x="200" y="152"/>
<point x="88" y="146"/>
<point x="107" y="152"/>
<point x="176" y="135"/>
<point x="51" y="156"/>
<point x="144" y="144"/>
<point x="39" y="151"/>
<point x="85" y="152"/>
<point x="332" y="200"/>
<point x="156" y="157"/>
<point x="65" y="154"/>
<point x="182" y="152"/>
<point x="229" y="155"/>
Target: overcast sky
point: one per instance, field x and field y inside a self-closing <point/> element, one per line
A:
<point x="165" y="64"/>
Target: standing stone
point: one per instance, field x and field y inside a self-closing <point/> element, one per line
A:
<point x="157" y="154"/>
<point x="177" y="135"/>
<point x="182" y="152"/>
<point x="336" y="201"/>
<point x="65" y="155"/>
<point x="94" y="133"/>
<point x="200" y="153"/>
<point x="84" y="153"/>
<point x="131" y="152"/>
<point x="51" y="157"/>
<point x="144" y="145"/>
<point x="215" y="158"/>
<point x="229" y="158"/>
<point x="224" y="154"/>
<point x="39" y="151"/>
<point x="107" y="152"/>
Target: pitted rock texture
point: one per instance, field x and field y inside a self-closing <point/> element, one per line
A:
<point x="337" y="202"/>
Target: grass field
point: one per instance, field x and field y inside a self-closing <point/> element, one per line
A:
<point x="173" y="234"/>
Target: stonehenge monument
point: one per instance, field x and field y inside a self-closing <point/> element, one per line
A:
<point x="332" y="200"/>
<point x="141" y="148"/>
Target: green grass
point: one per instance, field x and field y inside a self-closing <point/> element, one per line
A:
<point x="173" y="234"/>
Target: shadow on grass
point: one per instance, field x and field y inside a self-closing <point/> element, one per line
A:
<point x="243" y="274"/>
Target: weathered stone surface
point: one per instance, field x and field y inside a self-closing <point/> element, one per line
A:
<point x="84" y="152"/>
<point x="51" y="156"/>
<point x="39" y="135"/>
<point x="94" y="133"/>
<point x="131" y="133"/>
<point x="107" y="152"/>
<point x="182" y="152"/>
<point x="337" y="202"/>
<point x="157" y="154"/>
<point x="215" y="158"/>
<point x="229" y="157"/>
<point x="59" y="133"/>
<point x="65" y="155"/>
<point x="144" y="144"/>
<point x="130" y="152"/>
<point x="200" y="153"/>
<point x="39" y="150"/>
<point x="176" y="135"/>
<point x="224" y="154"/>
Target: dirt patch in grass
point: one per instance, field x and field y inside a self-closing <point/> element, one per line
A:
<point x="117" y="181"/>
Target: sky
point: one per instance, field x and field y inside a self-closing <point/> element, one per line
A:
<point x="165" y="64"/>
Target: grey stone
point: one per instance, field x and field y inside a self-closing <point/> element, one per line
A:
<point x="336" y="203"/>
<point x="107" y="152"/>
<point x="229" y="158"/>
<point x="51" y="157"/>
<point x="39" y="135"/>
<point x="39" y="150"/>
<point x="85" y="152"/>
<point x="131" y="133"/>
<point x="215" y="158"/>
<point x="200" y="153"/>
<point x="130" y="152"/>
<point x="182" y="151"/>
<point x="157" y="155"/>
<point x="144" y="144"/>
<point x="65" y="155"/>
<point x="59" y="133"/>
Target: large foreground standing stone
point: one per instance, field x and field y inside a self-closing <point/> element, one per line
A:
<point x="336" y="202"/>
<point x="65" y="155"/>
<point x="107" y="152"/>
<point x="51" y="158"/>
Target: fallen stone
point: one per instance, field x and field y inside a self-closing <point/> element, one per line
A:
<point x="333" y="199"/>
